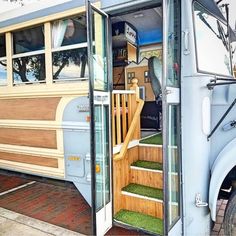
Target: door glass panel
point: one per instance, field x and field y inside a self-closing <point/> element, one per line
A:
<point x="102" y="156"/>
<point x="173" y="43"/>
<point x="173" y="167"/>
<point x="99" y="53"/>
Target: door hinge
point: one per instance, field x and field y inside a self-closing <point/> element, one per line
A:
<point x="199" y="202"/>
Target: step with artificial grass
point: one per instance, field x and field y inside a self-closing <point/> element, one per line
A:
<point x="154" y="139"/>
<point x="148" y="165"/>
<point x="144" y="191"/>
<point x="139" y="220"/>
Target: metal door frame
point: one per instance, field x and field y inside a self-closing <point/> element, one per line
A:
<point x="89" y="8"/>
<point x="169" y="98"/>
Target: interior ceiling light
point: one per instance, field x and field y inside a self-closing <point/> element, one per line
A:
<point x="138" y="15"/>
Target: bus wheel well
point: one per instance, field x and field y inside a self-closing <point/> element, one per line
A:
<point x="228" y="185"/>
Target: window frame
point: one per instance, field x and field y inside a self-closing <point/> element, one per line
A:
<point x="66" y="48"/>
<point x="28" y="54"/>
<point x="40" y="89"/>
<point x="195" y="42"/>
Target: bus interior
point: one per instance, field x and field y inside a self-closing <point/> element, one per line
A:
<point x="137" y="62"/>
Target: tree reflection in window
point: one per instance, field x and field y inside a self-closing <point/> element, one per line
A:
<point x="69" y="46"/>
<point x="29" y="58"/>
<point x="29" y="69"/>
<point x="70" y="64"/>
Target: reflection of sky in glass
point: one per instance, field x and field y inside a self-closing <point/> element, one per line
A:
<point x="3" y="73"/>
<point x="67" y="65"/>
<point x="71" y="71"/>
<point x="211" y="52"/>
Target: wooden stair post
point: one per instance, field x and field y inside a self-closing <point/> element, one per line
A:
<point x="135" y="87"/>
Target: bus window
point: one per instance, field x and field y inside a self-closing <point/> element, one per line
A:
<point x="211" y="43"/>
<point x="3" y="61"/>
<point x="69" y="49"/>
<point x="29" y="56"/>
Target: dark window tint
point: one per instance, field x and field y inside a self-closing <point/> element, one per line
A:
<point x="2" y="46"/>
<point x="28" y="40"/>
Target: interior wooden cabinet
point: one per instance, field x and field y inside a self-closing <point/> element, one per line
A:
<point x="131" y="52"/>
<point x="123" y="55"/>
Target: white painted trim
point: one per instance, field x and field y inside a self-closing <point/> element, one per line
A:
<point x="28" y="54"/>
<point x="17" y="188"/>
<point x="150" y="145"/>
<point x="75" y="79"/>
<point x="70" y="47"/>
<point x="3" y="58"/>
<point x="145" y="169"/>
<point x="172" y="95"/>
<point x="140" y="196"/>
<point x="104" y="219"/>
<point x="132" y="144"/>
<point x="123" y="92"/>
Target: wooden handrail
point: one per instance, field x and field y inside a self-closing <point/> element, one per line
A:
<point x="133" y="125"/>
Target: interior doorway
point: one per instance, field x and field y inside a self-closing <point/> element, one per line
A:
<point x="137" y="41"/>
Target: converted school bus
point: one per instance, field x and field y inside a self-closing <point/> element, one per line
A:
<point x="81" y="86"/>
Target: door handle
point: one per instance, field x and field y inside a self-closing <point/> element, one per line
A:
<point x="186" y="42"/>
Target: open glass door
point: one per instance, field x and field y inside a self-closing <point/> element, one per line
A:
<point x="171" y="116"/>
<point x="97" y="27"/>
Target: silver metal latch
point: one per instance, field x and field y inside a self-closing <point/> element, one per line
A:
<point x="186" y="42"/>
<point x="199" y="202"/>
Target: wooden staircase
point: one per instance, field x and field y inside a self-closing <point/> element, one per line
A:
<point x="142" y="190"/>
<point x="137" y="189"/>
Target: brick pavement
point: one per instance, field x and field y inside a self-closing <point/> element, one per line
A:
<point x="218" y="226"/>
<point x="64" y="206"/>
<point x="59" y="205"/>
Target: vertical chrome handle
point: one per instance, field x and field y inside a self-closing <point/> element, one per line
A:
<point x="186" y="42"/>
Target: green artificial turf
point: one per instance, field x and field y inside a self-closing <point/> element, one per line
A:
<point x="155" y="139"/>
<point x="148" y="165"/>
<point x="144" y="191"/>
<point x="139" y="220"/>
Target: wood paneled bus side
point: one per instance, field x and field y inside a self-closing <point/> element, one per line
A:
<point x="31" y="133"/>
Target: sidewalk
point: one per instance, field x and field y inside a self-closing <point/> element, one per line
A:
<point x="15" y="224"/>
